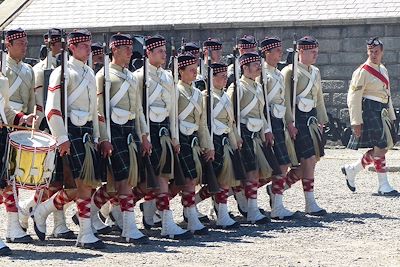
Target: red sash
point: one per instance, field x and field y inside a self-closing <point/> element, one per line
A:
<point x="377" y="74"/>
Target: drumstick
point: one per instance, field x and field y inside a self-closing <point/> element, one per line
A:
<point x="33" y="122"/>
<point x="16" y="127"/>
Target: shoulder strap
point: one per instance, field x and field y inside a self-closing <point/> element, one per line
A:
<point x="311" y="81"/>
<point x="192" y="105"/>
<point x="79" y="90"/>
<point x="120" y="94"/>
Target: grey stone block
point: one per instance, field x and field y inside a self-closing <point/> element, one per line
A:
<point x="323" y="59"/>
<point x="327" y="99"/>
<point x="348" y="57"/>
<point x="333" y="111"/>
<point x="339" y="99"/>
<point x="354" y="44"/>
<point x="329" y="86"/>
<point x="328" y="32"/>
<point x="336" y="72"/>
<point x="331" y="45"/>
<point x="344" y="116"/>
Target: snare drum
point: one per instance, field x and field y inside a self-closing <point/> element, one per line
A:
<point x="31" y="161"/>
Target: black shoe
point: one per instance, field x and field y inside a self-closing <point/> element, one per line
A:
<point x="139" y="241"/>
<point x="5" y="251"/>
<point x="203" y="231"/>
<point x="104" y="231"/>
<point x="236" y="225"/>
<point x="264" y="220"/>
<point x="96" y="245"/>
<point x="230" y="213"/>
<point x="102" y="218"/>
<point x="322" y="212"/>
<point x="183" y="236"/>
<point x="393" y="193"/>
<point x="40" y="235"/>
<point x="202" y="219"/>
<point x="24" y="240"/>
<point x="75" y="219"/>
<point x="66" y="235"/>
<point x="352" y="188"/>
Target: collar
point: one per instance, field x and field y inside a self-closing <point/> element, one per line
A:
<point x="76" y="62"/>
<point x="154" y="69"/>
<point x="248" y="81"/>
<point x="307" y="68"/>
<point x="218" y="91"/>
<point x="376" y="66"/>
<point x="116" y="67"/>
<point x="12" y="61"/>
<point x="269" y="67"/>
<point x="188" y="87"/>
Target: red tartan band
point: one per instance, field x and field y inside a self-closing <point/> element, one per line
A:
<point x="204" y="193"/>
<point x="100" y="197"/>
<point x="61" y="199"/>
<point x="222" y="196"/>
<point x="213" y="47"/>
<point x="54" y="112"/>
<point x="18" y="118"/>
<point x="247" y="46"/>
<point x="308" y="184"/>
<point x="53" y="40"/>
<point x="127" y="202"/>
<point x="83" y="206"/>
<point x="15" y="36"/>
<point x="250" y="189"/>
<point x="249" y="60"/>
<point x="377" y="74"/>
<point x="307" y="47"/>
<point x="97" y="52"/>
<point x="278" y="185"/>
<point x="120" y="42"/>
<point x="187" y="199"/>
<point x="187" y="63"/>
<point x="291" y="178"/>
<point x="79" y="39"/>
<point x="9" y="200"/>
<point x="162" y="201"/>
<point x="39" y="108"/>
<point x="52" y="89"/>
<point x="155" y="45"/>
<point x="219" y="70"/>
<point x="271" y="46"/>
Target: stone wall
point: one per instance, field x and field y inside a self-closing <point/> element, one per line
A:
<point x="342" y="49"/>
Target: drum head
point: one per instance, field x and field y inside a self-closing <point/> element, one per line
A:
<point x="39" y="140"/>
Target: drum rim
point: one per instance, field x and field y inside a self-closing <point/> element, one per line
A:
<point x="29" y="148"/>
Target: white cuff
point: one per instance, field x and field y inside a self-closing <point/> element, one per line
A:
<point x="267" y="130"/>
<point x="62" y="139"/>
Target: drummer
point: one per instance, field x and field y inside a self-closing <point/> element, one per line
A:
<point x="15" y="234"/>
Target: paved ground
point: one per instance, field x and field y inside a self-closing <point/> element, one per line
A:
<point x="360" y="229"/>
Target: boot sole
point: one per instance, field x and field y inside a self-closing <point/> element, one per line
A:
<point x="104" y="231"/>
<point x="262" y="221"/>
<point x="23" y="240"/>
<point x="202" y="219"/>
<point x="393" y="193"/>
<point x="318" y="213"/>
<point x="5" y="251"/>
<point x="66" y="235"/>
<point x="352" y="188"/>
<point x="144" y="240"/>
<point x="96" y="245"/>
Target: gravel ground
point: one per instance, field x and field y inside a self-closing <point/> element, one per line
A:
<point x="359" y="230"/>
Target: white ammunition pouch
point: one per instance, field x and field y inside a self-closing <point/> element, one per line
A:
<point x="305" y="104"/>
<point x="79" y="117"/>
<point x="254" y="124"/>
<point x="187" y="128"/>
<point x="278" y="111"/>
<point x="220" y="128"/>
<point x="158" y="114"/>
<point x="16" y="106"/>
<point x="121" y="116"/>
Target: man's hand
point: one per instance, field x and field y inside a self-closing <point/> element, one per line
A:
<point x="269" y="138"/>
<point x="28" y="119"/>
<point x="64" y="148"/>
<point x="292" y="130"/>
<point x="357" y="130"/>
<point x="146" y="146"/>
<point x="176" y="146"/>
<point x="239" y="144"/>
<point x="209" y="155"/>
<point x="106" y="149"/>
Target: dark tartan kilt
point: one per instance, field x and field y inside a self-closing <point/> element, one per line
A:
<point x="247" y="151"/>
<point x="3" y="155"/>
<point x="120" y="155"/>
<point x="77" y="152"/>
<point x="304" y="144"/>
<point x="157" y="150"/>
<point x="218" y="161"/>
<point x="280" y="149"/>
<point x="186" y="155"/>
<point x="372" y="129"/>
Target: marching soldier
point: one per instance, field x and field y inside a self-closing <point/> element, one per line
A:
<point x="310" y="116"/>
<point x="15" y="233"/>
<point x="194" y="138"/>
<point x="254" y="128"/>
<point x="20" y="92"/>
<point x="371" y="116"/>
<point x="60" y="227"/>
<point x="194" y="49"/>
<point x="128" y="133"/>
<point x="97" y="56"/>
<point x="76" y="144"/>
<point x="272" y="52"/>
<point x="246" y="44"/>
<point x="164" y="137"/>
<point x="215" y="47"/>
